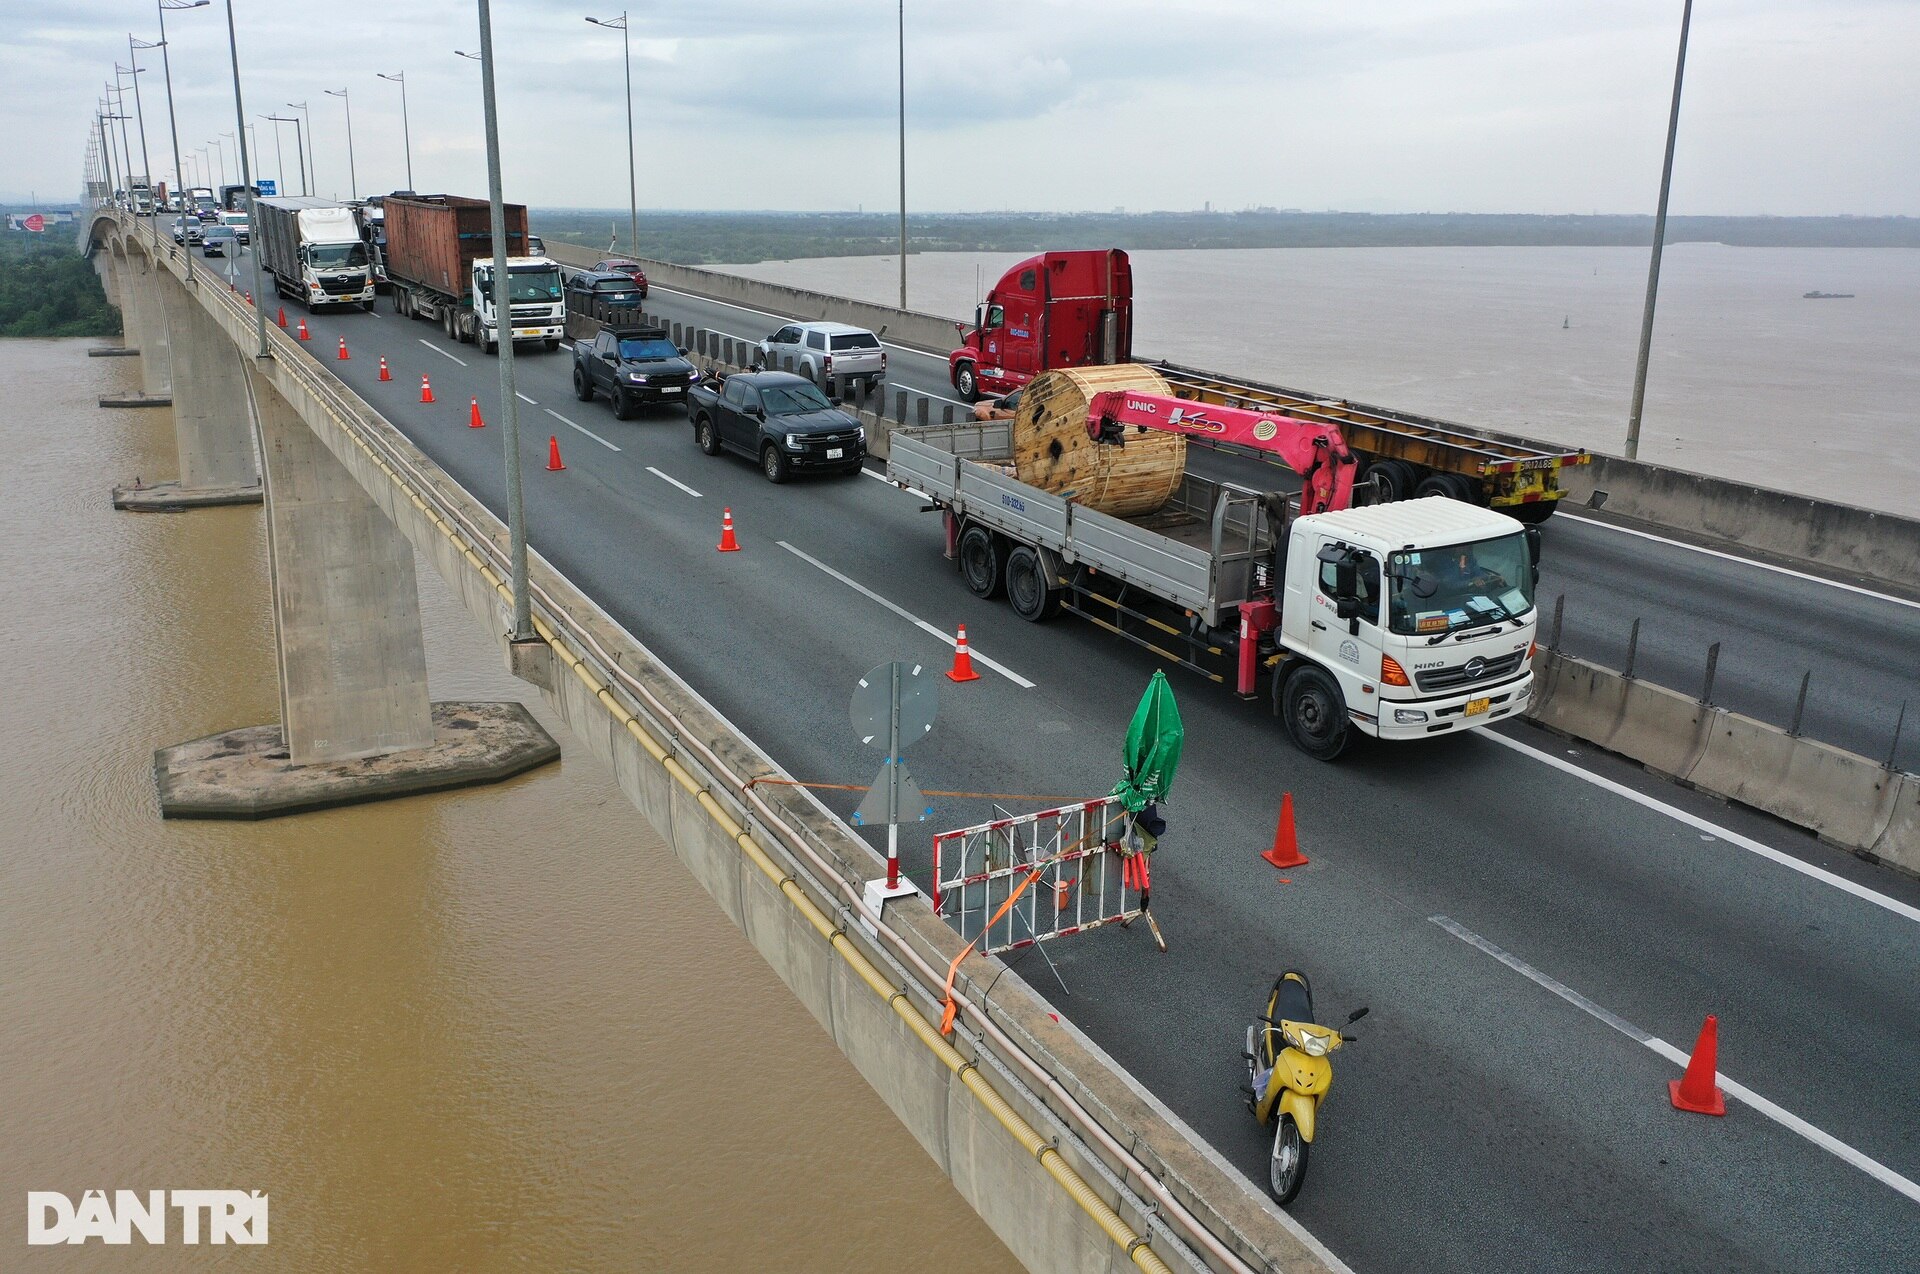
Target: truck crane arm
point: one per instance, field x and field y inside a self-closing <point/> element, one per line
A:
<point x="1313" y="449"/>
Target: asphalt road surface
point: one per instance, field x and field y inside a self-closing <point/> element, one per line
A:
<point x="1535" y="928"/>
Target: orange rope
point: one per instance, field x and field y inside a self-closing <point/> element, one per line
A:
<point x="952" y="1009"/>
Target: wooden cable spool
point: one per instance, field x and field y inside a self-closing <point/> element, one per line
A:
<point x="1053" y="451"/>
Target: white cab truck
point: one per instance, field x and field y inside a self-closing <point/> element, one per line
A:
<point x="314" y="250"/>
<point x="439" y="263"/>
<point x="1399" y="621"/>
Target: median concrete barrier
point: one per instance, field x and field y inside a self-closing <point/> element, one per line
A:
<point x="1845" y="799"/>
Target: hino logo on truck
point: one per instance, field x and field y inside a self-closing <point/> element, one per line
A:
<point x="1475" y="668"/>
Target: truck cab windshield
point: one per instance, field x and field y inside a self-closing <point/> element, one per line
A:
<point x="524" y="283"/>
<point x="647" y="349"/>
<point x="336" y="256"/>
<point x="1442" y="590"/>
<point x="793" y="400"/>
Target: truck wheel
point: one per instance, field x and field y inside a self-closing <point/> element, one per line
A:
<point x="582" y="387"/>
<point x="447" y="324"/>
<point x="1532" y="514"/>
<point x="1454" y="486"/>
<point x="486" y="343"/>
<point x="1394" y="479"/>
<point x="400" y="303"/>
<point x="980" y="563"/>
<point x="1315" y="714"/>
<point x="964" y="381"/>
<point x="1030" y="591"/>
<point x="622" y="406"/>
<point x="704" y="435"/>
<point x="773" y="463"/>
<point x="553" y="343"/>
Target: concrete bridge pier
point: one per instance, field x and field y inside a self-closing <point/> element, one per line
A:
<point x="212" y="424"/>
<point x="133" y="285"/>
<point x="355" y="720"/>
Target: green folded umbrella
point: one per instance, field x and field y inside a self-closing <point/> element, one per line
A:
<point x="1152" y="752"/>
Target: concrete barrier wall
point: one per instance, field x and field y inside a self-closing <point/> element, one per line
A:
<point x="586" y="680"/>
<point x="1846" y="799"/>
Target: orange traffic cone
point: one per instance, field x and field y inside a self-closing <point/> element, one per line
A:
<point x="342" y="356"/>
<point x="384" y="373"/>
<point x="473" y="417"/>
<point x="426" y="390"/>
<point x="1286" y="849"/>
<point x="962" y="669"/>
<point x="302" y="332"/>
<point x="727" y="543"/>
<point x="281" y="317"/>
<point x="553" y="454"/>
<point x="1696" y="1091"/>
<point x="249" y="298"/>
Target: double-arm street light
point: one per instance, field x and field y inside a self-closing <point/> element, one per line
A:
<point x="633" y="182"/>
<point x="173" y="124"/>
<point x="301" y="156"/>
<point x="353" y="178"/>
<point x="406" y="129"/>
<point x="146" y="162"/>
<point x="220" y="153"/>
<point x="308" y="176"/>
<point x="280" y="153"/>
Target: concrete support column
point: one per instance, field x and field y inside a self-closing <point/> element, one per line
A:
<point x="211" y="421"/>
<point x="353" y="668"/>
<point x="144" y="319"/>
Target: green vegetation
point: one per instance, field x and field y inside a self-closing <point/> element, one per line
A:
<point x="48" y="289"/>
<point x="706" y="238"/>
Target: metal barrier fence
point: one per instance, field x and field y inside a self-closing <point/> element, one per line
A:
<point x="1014" y="882"/>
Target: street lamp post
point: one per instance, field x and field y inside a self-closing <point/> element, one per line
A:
<point x="1659" y="240"/>
<point x="173" y="123"/>
<point x="146" y="160"/>
<point x="120" y="105"/>
<point x="633" y="182"/>
<point x="302" y="157"/>
<point x="220" y="152"/>
<point x="279" y="152"/>
<point x="502" y="307"/>
<point x="246" y="179"/>
<point x="406" y="129"/>
<point x="353" y="178"/>
<point x="308" y="176"/>
<point x="903" y="153"/>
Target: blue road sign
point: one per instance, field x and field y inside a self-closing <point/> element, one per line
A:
<point x="267" y="187"/>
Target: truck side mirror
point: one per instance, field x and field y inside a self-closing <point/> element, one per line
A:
<point x="1533" y="552"/>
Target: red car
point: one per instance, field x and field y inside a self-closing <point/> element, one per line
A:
<point x="620" y="265"/>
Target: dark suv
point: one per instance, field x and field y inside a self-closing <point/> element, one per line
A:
<point x="620" y="265"/>
<point x="777" y="418"/>
<point x="590" y="290"/>
<point x="632" y="366"/>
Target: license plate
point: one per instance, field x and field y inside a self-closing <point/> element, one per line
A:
<point x="669" y="389"/>
<point x="1477" y="706"/>
<point x="833" y="453"/>
<point x="526" y="331"/>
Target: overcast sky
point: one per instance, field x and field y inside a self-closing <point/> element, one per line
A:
<point x="1792" y="106"/>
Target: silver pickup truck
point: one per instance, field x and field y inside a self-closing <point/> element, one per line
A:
<point x="831" y="355"/>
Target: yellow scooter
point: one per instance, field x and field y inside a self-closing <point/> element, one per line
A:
<point x="1288" y="1075"/>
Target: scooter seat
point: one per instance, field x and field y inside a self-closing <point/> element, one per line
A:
<point x="1292" y="1002"/>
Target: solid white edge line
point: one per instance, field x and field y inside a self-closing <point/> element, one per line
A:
<point x="1785" y="1118"/>
<point x="907" y="615"/>
<point x="778" y="318"/>
<point x="1744" y="561"/>
<point x="436" y="349"/>
<point x="1694" y="821"/>
<point x="669" y="478"/>
<point x="582" y="428"/>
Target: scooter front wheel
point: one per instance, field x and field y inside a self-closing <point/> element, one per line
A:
<point x="1287" y="1165"/>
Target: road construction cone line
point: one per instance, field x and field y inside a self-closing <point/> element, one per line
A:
<point x="1286" y="846"/>
<point x="281" y="317"/>
<point x="473" y="417"/>
<point x="426" y="389"/>
<point x="343" y="356"/>
<point x="302" y="332"/>
<point x="962" y="669"/>
<point x="384" y="373"/>
<point x="553" y="454"/>
<point x="727" y="543"/>
<point x="1696" y="1090"/>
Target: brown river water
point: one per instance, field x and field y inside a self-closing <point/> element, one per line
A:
<point x="494" y="1030"/>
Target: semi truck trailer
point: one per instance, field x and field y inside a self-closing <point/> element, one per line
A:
<point x="1075" y="309"/>
<point x="314" y="251"/>
<point x="1399" y="621"/>
<point x="440" y="266"/>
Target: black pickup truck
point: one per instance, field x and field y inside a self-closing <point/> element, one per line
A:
<point x="632" y="366"/>
<point x="779" y="419"/>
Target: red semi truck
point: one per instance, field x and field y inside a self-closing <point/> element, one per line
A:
<point x="1073" y="309"/>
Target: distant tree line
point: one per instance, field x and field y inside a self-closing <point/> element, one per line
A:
<point x="48" y="289"/>
<point x="695" y="238"/>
